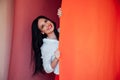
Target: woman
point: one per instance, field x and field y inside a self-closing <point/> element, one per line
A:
<point x="45" y="45"/>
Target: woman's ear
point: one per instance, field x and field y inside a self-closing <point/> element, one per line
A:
<point x="58" y="29"/>
<point x="42" y="32"/>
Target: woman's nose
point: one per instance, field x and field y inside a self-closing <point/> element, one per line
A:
<point x="47" y="24"/>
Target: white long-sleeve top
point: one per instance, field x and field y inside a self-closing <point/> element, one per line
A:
<point x="47" y="49"/>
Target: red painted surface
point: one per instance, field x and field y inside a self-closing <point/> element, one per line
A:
<point x="24" y="13"/>
<point x="90" y="40"/>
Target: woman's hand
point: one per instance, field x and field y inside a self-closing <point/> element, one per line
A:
<point x="59" y="13"/>
<point x="57" y="54"/>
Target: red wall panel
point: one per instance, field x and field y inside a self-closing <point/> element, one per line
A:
<point x="24" y="13"/>
<point x="89" y="40"/>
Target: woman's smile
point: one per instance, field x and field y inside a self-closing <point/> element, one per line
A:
<point x="49" y="27"/>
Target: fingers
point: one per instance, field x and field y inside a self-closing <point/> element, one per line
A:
<point x="59" y="13"/>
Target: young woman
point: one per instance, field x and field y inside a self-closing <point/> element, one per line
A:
<point x="45" y="41"/>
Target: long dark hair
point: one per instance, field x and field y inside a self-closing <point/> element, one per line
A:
<point x="37" y="41"/>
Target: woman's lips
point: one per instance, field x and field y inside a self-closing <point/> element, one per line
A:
<point x="49" y="27"/>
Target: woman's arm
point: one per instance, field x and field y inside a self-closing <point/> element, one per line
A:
<point x="46" y="60"/>
<point x="49" y="65"/>
<point x="56" y="59"/>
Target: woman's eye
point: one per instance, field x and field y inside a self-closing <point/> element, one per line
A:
<point x="46" y="20"/>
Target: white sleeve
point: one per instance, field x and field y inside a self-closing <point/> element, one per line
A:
<point x="47" y="59"/>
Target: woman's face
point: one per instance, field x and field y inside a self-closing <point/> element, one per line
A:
<point x="45" y="26"/>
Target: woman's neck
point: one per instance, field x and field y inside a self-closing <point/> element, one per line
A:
<point x="52" y="36"/>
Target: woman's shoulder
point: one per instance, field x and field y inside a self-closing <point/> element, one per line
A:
<point x="49" y="44"/>
<point x="48" y="41"/>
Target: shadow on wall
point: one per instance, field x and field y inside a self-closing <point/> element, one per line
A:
<point x="118" y="76"/>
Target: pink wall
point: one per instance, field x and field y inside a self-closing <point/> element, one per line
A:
<point x="24" y="13"/>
